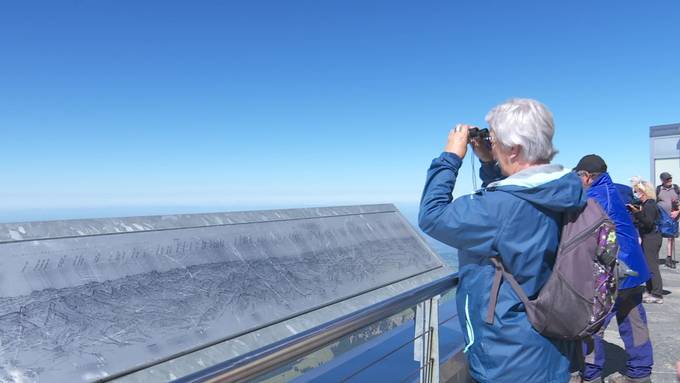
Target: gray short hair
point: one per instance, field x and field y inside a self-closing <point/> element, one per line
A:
<point x="526" y="123"/>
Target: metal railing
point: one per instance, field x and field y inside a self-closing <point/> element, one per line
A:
<point x="256" y="363"/>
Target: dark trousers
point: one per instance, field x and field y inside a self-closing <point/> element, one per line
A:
<point x="651" y="244"/>
<point x="632" y="320"/>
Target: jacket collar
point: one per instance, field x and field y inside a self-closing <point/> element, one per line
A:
<point x="533" y="176"/>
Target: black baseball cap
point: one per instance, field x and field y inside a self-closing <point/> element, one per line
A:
<point x="592" y="163"/>
<point x="665" y="176"/>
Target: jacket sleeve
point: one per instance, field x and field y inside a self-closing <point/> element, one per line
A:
<point x="489" y="172"/>
<point x="646" y="218"/>
<point x="464" y="223"/>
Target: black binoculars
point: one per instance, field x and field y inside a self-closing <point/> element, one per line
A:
<point x="483" y="134"/>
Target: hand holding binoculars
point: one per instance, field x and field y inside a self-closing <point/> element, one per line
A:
<point x="482" y="134"/>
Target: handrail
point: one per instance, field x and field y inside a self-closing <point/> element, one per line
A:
<point x="259" y="361"/>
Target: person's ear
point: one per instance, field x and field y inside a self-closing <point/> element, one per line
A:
<point x="515" y="152"/>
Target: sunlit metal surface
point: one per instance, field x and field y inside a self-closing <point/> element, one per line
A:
<point x="85" y="300"/>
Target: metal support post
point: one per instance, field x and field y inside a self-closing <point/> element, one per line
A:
<point x="426" y="346"/>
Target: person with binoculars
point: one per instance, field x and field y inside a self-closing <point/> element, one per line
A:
<point x="516" y="217"/>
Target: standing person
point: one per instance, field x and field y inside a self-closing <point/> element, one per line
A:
<point x="517" y="219"/>
<point x="630" y="314"/>
<point x="645" y="217"/>
<point x="667" y="196"/>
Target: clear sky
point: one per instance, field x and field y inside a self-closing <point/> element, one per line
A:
<point x="202" y="105"/>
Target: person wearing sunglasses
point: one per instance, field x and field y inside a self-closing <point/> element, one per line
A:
<point x="646" y="216"/>
<point x="667" y="197"/>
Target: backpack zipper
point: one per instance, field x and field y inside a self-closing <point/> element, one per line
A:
<point x="584" y="234"/>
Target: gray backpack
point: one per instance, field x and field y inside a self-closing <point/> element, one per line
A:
<point x="582" y="287"/>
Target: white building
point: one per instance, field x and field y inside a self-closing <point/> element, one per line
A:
<point x="664" y="151"/>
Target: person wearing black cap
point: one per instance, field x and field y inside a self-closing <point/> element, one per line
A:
<point x="628" y="309"/>
<point x="667" y="196"/>
<point x="592" y="163"/>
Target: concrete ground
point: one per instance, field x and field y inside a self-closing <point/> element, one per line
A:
<point x="664" y="326"/>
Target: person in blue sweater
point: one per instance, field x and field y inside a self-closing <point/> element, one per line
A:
<point x="516" y="216"/>
<point x="628" y="309"/>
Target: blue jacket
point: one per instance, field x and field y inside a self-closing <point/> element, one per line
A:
<point x="625" y="192"/>
<point x="518" y="219"/>
<point x="608" y="195"/>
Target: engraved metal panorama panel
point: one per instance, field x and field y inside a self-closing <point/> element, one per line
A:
<point x="87" y="307"/>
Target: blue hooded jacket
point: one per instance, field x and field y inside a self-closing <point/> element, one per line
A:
<point x="607" y="194"/>
<point x="625" y="192"/>
<point x="519" y="220"/>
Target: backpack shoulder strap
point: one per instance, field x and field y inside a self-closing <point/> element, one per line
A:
<point x="501" y="272"/>
<point x="676" y="188"/>
<point x="660" y="212"/>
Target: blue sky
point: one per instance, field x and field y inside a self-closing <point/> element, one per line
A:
<point x="143" y="107"/>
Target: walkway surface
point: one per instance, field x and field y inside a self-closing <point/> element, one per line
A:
<point x="664" y="326"/>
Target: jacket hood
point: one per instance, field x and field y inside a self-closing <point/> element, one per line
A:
<point x="549" y="186"/>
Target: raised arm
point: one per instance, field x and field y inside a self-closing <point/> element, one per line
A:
<point x="464" y="223"/>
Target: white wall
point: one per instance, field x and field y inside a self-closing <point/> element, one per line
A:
<point x="665" y="157"/>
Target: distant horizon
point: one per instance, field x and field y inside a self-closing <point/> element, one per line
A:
<point x="96" y="212"/>
<point x="263" y="103"/>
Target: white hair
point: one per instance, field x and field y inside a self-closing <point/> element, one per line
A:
<point x="646" y="188"/>
<point x="526" y="123"/>
<point x="634" y="180"/>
